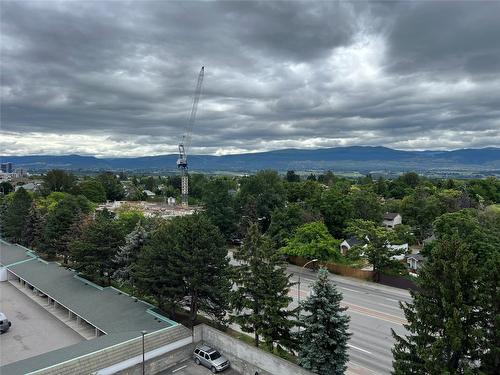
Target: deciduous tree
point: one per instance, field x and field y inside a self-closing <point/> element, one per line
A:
<point x="312" y="240"/>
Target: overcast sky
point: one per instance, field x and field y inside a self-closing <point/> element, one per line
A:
<point x="116" y="78"/>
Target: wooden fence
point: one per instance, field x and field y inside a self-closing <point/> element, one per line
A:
<point x="338" y="269"/>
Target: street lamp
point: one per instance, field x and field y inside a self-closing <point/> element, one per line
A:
<point x="143" y="333"/>
<point x="298" y="284"/>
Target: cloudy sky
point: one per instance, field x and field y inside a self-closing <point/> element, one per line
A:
<point x="116" y="78"/>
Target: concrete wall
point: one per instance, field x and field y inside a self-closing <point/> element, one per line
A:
<point x="155" y="365"/>
<point x="245" y="358"/>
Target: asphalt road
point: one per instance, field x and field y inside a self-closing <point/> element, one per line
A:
<point x="188" y="367"/>
<point x="374" y="310"/>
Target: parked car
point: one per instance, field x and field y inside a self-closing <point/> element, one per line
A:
<point x="211" y="358"/>
<point x="4" y="323"/>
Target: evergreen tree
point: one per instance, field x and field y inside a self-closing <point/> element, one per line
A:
<point x="158" y="271"/>
<point x="93" y="251"/>
<point x="15" y="216"/>
<point x="127" y="254"/>
<point x="185" y="263"/>
<point x="58" y="180"/>
<point x="323" y="342"/>
<point x="453" y="321"/>
<point x="219" y="205"/>
<point x="260" y="299"/>
<point x="58" y="230"/>
<point x="33" y="228"/>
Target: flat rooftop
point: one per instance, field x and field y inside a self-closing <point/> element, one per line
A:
<point x="118" y="315"/>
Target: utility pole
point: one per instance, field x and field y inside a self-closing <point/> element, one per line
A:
<point x="298" y="284"/>
<point x="143" y="354"/>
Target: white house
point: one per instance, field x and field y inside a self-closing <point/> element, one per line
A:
<point x="347" y="244"/>
<point x="391" y="219"/>
<point x="149" y="193"/>
<point x="415" y="261"/>
<point x="402" y="249"/>
<point x="171" y="201"/>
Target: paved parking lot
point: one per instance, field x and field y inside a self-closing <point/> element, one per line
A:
<point x="34" y="331"/>
<point x="188" y="367"/>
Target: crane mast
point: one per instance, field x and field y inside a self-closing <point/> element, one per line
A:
<point x="185" y="142"/>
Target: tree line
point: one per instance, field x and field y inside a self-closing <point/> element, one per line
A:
<point x="184" y="264"/>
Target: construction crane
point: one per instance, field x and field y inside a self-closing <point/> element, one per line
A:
<point x="185" y="142"/>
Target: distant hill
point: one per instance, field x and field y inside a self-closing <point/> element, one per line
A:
<point x="357" y="158"/>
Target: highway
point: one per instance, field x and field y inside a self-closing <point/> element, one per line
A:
<point x="374" y="310"/>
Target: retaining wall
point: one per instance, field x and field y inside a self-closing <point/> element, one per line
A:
<point x="246" y="359"/>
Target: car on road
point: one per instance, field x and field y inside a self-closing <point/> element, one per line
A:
<point x="4" y="323"/>
<point x="211" y="358"/>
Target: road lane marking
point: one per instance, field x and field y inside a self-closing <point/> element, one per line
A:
<point x="357" y="348"/>
<point x="391" y="299"/>
<point x="351" y="290"/>
<point x="374" y="313"/>
<point x="178" y="369"/>
<point x="364" y="370"/>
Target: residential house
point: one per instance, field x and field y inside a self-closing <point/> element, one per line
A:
<point x="391" y="219"/>
<point x="149" y="193"/>
<point x="415" y="261"/>
<point x="347" y="244"/>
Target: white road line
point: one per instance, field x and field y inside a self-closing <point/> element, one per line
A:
<point x="363" y="367"/>
<point x="349" y="289"/>
<point x="391" y="299"/>
<point x="357" y="348"/>
<point x="178" y="369"/>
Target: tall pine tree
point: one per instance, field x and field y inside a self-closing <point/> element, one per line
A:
<point x="127" y="255"/>
<point x="323" y="342"/>
<point x="260" y="299"/>
<point x="14" y="218"/>
<point x="453" y="321"/>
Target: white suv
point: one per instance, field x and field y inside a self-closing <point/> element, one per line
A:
<point x="211" y="358"/>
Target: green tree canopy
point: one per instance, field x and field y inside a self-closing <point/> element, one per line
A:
<point x="58" y="231"/>
<point x="453" y="320"/>
<point x="6" y="187"/>
<point x="220" y="205"/>
<point x="15" y="215"/>
<point x="366" y="205"/>
<point x="285" y="220"/>
<point x="185" y="261"/>
<point x="260" y="298"/>
<point x="112" y="186"/>
<point x="323" y="342"/>
<point x="93" y="190"/>
<point x="58" y="180"/>
<point x="336" y="209"/>
<point x="93" y="251"/>
<point x="260" y="194"/>
<point x="312" y="240"/>
<point x="376" y="241"/>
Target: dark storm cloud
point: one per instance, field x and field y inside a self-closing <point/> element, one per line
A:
<point x="116" y="77"/>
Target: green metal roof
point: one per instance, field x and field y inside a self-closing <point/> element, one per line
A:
<point x="11" y="254"/>
<point x="115" y="313"/>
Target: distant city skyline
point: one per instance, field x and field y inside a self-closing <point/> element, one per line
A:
<point x="116" y="78"/>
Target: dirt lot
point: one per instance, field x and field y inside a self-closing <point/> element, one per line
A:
<point x="34" y="331"/>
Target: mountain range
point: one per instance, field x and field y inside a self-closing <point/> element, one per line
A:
<point x="356" y="158"/>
